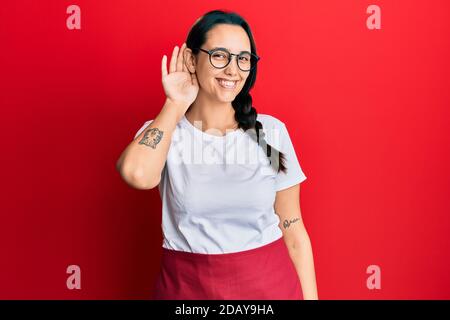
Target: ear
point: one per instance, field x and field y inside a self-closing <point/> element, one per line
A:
<point x="189" y="60"/>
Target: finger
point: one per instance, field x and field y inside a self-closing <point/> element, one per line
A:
<point x="185" y="68"/>
<point x="164" y="66"/>
<point x="173" y="60"/>
<point x="180" y="58"/>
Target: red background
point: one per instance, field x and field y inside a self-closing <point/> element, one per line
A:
<point x="367" y="110"/>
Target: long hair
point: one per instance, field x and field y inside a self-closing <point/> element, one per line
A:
<point x="245" y="113"/>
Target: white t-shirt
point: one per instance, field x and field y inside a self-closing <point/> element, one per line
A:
<point x="217" y="200"/>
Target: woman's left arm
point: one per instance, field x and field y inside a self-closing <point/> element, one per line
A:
<point x="287" y="207"/>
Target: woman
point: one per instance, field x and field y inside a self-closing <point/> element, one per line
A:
<point x="232" y="226"/>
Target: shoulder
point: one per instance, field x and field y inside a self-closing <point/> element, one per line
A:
<point x="269" y="121"/>
<point x="274" y="129"/>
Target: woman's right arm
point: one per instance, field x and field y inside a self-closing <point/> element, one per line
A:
<point x="142" y="161"/>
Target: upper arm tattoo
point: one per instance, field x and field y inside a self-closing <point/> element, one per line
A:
<point x="152" y="137"/>
<point x="287" y="223"/>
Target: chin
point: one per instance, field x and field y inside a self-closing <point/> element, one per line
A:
<point x="228" y="98"/>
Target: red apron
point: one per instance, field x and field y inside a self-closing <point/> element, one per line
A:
<point x="263" y="273"/>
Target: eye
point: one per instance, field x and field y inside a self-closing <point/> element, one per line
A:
<point x="219" y="55"/>
<point x="244" y="57"/>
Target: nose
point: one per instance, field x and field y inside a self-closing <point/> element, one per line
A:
<point x="232" y="68"/>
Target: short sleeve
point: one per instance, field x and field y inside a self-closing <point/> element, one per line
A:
<point x="294" y="173"/>
<point x="142" y="128"/>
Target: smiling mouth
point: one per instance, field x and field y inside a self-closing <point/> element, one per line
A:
<point x="226" y="84"/>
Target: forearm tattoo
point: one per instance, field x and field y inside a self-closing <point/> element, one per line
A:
<point x="152" y="137"/>
<point x="287" y="223"/>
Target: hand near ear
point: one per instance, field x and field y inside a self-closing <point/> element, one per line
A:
<point x="180" y="86"/>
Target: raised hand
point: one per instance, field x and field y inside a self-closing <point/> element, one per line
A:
<point x="180" y="86"/>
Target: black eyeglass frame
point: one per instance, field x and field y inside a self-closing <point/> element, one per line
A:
<point x="230" y="57"/>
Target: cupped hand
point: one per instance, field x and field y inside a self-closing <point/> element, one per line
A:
<point x="180" y="86"/>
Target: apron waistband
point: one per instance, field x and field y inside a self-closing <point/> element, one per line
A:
<point x="221" y="256"/>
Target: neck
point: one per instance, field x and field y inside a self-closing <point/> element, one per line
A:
<point x="212" y="114"/>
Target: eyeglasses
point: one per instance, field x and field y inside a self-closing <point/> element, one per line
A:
<point x="221" y="57"/>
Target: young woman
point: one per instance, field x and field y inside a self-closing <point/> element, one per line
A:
<point x="230" y="187"/>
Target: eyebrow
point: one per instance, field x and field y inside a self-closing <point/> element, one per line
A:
<point x="229" y="49"/>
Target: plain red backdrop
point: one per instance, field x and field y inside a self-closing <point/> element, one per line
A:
<point x="367" y="110"/>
